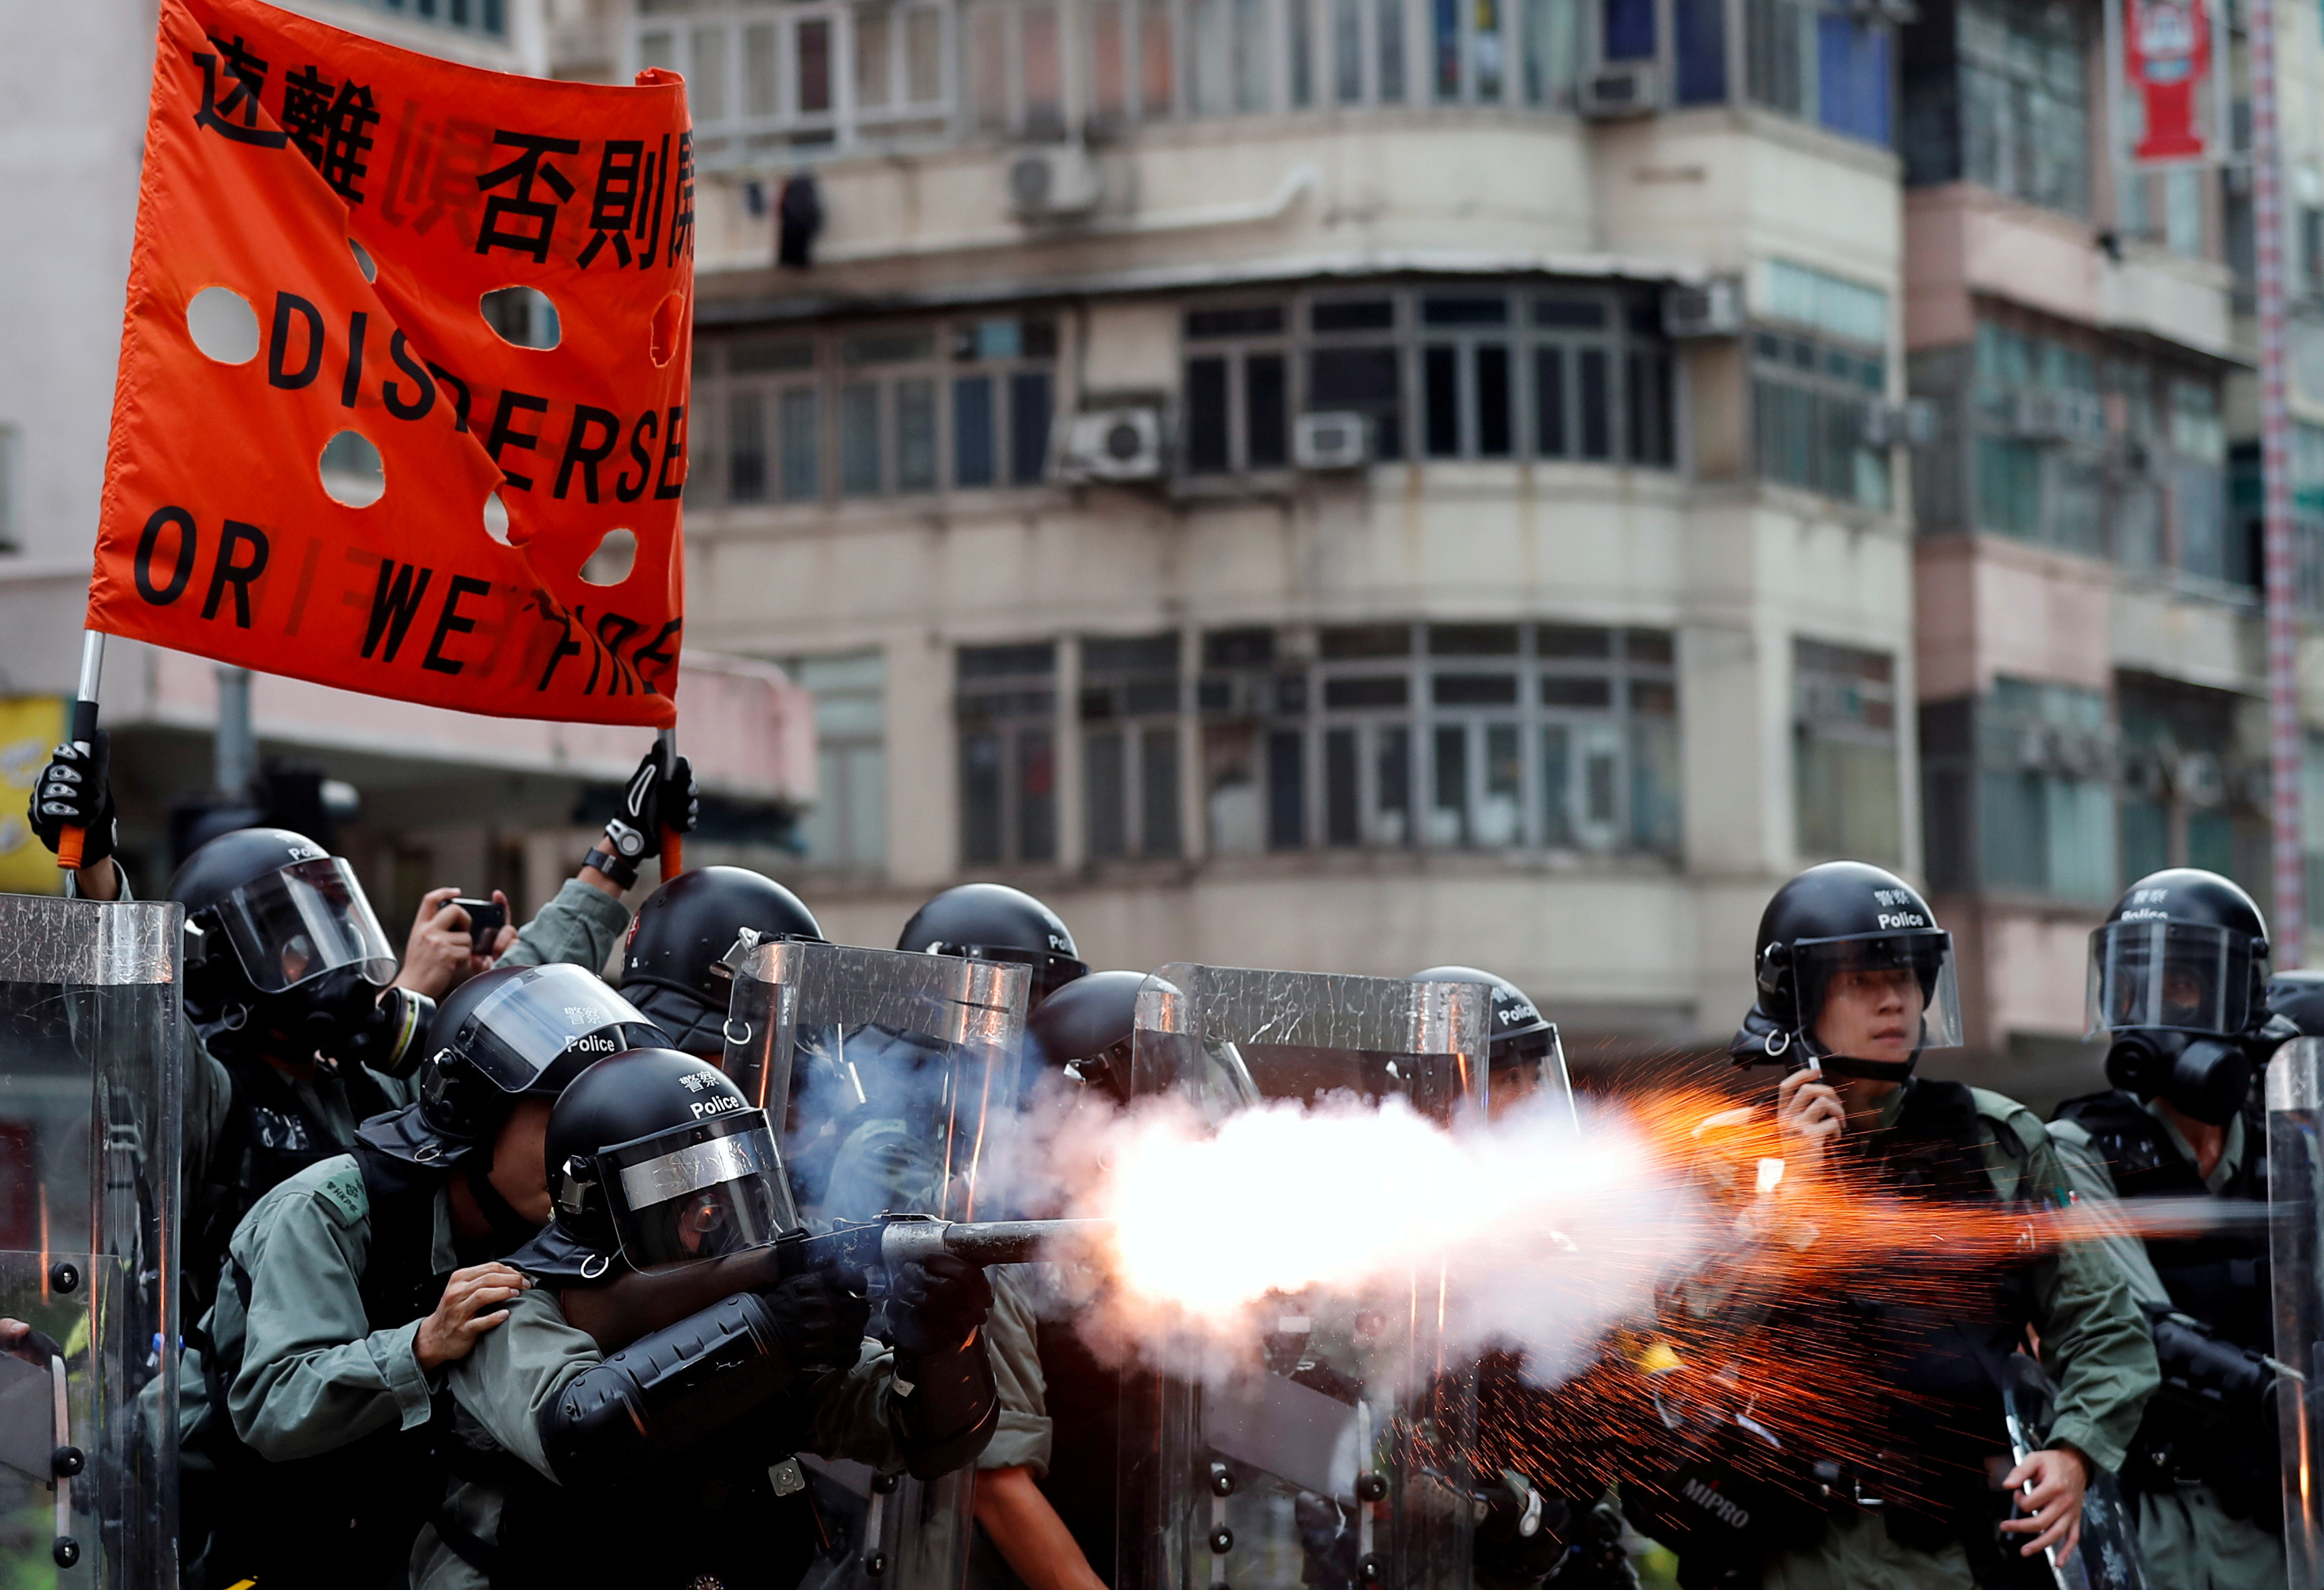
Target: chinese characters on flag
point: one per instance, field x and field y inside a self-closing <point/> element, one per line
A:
<point x="356" y="203"/>
<point x="2166" y="56"/>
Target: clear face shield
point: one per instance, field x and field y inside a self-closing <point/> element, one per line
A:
<point x="1341" y="1453"/>
<point x="301" y="921"/>
<point x="698" y="1191"/>
<point x="2184" y="975"/>
<point x="1877" y="997"/>
<point x="533" y="1021"/>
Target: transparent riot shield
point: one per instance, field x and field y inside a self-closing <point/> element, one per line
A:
<point x="1341" y="1462"/>
<point x="891" y="1077"/>
<point x="91" y="1095"/>
<point x="2295" y="1181"/>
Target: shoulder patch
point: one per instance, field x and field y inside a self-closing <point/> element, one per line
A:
<point x="342" y="1193"/>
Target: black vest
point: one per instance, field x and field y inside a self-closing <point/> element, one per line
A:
<point x="346" y="1517"/>
<point x="1932" y="1358"/>
<point x="1083" y="1398"/>
<point x="269" y="1135"/>
<point x="2221" y="1278"/>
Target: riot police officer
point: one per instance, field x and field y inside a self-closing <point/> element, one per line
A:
<point x="2179" y="983"/>
<point x="1525" y="1055"/>
<point x="881" y="1151"/>
<point x="678" y="967"/>
<point x="297" y="1036"/>
<point x="1855" y="982"/>
<point x="1530" y="1533"/>
<point x="350" y="1286"/>
<point x="670" y="1457"/>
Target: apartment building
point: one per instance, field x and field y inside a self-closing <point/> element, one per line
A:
<point x="2092" y="685"/>
<point x="1335" y="483"/>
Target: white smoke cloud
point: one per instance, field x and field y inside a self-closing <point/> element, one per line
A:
<point x="1523" y="1233"/>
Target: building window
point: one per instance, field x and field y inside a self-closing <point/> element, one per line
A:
<point x="1445" y="371"/>
<point x="2046" y="791"/>
<point x="478" y="16"/>
<point x="2039" y="434"/>
<point x="1844" y="753"/>
<point x="1822" y="66"/>
<point x="1129" y="717"/>
<point x="878" y="411"/>
<point x="1237" y="389"/>
<point x="2198" y="484"/>
<point x="2023" y="107"/>
<point x="1811" y="403"/>
<point x="847" y="827"/>
<point x="1484" y="736"/>
<point x="2190" y="796"/>
<point x="1008" y="710"/>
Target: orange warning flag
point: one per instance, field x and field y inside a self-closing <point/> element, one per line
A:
<point x="343" y="450"/>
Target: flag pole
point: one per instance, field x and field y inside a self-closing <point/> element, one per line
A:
<point x="83" y="734"/>
<point x="673" y="840"/>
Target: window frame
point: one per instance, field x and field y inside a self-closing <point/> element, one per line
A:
<point x="1617" y="337"/>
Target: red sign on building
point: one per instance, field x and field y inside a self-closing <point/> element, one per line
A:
<point x="2166" y="54"/>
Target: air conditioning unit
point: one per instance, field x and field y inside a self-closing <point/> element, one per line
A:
<point x="1714" y="309"/>
<point x="1052" y="182"/>
<point x="1621" y="88"/>
<point x="1115" y="445"/>
<point x="2087" y="755"/>
<point x="1332" y="441"/>
<point x="2201" y="780"/>
<point x="2146" y="776"/>
<point x="1912" y="423"/>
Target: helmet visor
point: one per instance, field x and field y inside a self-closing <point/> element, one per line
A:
<point x="698" y="1191"/>
<point x="301" y="921"/>
<point x="1877" y="997"/>
<point x="2189" y="976"/>
<point x="524" y="1027"/>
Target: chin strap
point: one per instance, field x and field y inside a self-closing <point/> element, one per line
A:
<point x="1873" y="1071"/>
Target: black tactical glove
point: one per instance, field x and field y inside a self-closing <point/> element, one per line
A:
<point x="940" y="1300"/>
<point x="817" y="1320"/>
<point x="74" y="789"/>
<point x="649" y="803"/>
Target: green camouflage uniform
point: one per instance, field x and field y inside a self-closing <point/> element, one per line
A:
<point x="2094" y="1344"/>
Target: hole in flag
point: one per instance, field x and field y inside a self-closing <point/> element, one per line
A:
<point x="522" y="315"/>
<point x="224" y="324"/>
<point x="667" y="318"/>
<point x="352" y="471"/>
<point x="616" y="556"/>
<point x="364" y="261"/>
<point x="496" y="519"/>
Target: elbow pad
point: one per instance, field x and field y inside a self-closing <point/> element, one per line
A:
<point x="951" y="1411"/>
<point x="664" y="1392"/>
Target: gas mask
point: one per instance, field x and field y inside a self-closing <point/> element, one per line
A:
<point x="2208" y="1076"/>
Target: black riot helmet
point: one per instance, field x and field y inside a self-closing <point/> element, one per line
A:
<point x="282" y="947"/>
<point x="2297" y="996"/>
<point x="2178" y="980"/>
<point x="992" y="922"/>
<point x="687" y="939"/>
<point x="656" y="1156"/>
<point x="1846" y="927"/>
<point x="1084" y="1030"/>
<point x="1521" y="1035"/>
<point x="514" y="1031"/>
